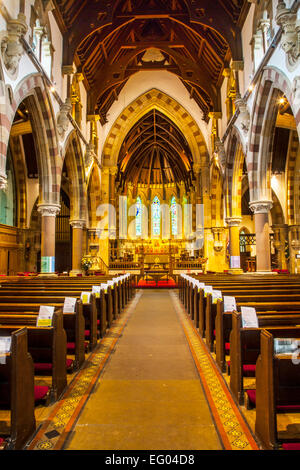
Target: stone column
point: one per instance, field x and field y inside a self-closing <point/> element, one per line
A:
<point x="112" y="201"/>
<point x="294" y="248"/>
<point x="234" y="244"/>
<point x="261" y="211"/>
<point x="280" y="238"/>
<point x="49" y="213"/>
<point x="77" y="245"/>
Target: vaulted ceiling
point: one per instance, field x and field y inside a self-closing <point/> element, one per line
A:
<point x="112" y="40"/>
<point x="154" y="152"/>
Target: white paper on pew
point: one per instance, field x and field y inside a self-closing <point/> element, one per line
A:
<point x="5" y="346"/>
<point x="96" y="290"/>
<point x="200" y="285"/>
<point x="229" y="304"/>
<point x="249" y="317"/>
<point x="111" y="284"/>
<point x="85" y="297"/>
<point x="105" y="287"/>
<point x="69" y="305"/>
<point x="45" y="316"/>
<point x="208" y="290"/>
<point x="216" y="295"/>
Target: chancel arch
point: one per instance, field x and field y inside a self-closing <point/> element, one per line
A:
<point x="150" y="153"/>
<point x="154" y="99"/>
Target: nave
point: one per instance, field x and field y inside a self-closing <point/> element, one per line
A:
<point x="149" y="395"/>
<point x="171" y="369"/>
<point x="149" y="384"/>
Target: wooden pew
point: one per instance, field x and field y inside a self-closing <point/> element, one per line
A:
<point x="223" y="326"/>
<point x="277" y="386"/>
<point x="245" y="347"/>
<point x="47" y="347"/>
<point x="17" y="389"/>
<point x="113" y="306"/>
<point x="32" y="301"/>
<point x="266" y="302"/>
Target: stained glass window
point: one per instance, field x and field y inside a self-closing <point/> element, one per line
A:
<point x="138" y="218"/>
<point x="174" y="216"/>
<point x="156" y="216"/>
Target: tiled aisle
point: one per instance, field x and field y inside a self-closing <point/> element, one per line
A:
<point x="149" y="396"/>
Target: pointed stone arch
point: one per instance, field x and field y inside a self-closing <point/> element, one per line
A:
<point x="272" y="85"/>
<point x="155" y="99"/>
<point x="234" y="174"/>
<point x="94" y="196"/>
<point x="34" y="90"/>
<point x="73" y="159"/>
<point x="217" y="197"/>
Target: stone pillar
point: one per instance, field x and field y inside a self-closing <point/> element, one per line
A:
<point x="234" y="244"/>
<point x="49" y="213"/>
<point x="261" y="211"/>
<point x="294" y="248"/>
<point x="77" y="245"/>
<point x="280" y="239"/>
<point x="112" y="201"/>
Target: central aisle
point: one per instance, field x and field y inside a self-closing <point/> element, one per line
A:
<point x="149" y="396"/>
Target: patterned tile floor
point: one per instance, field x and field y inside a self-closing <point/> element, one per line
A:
<point x="231" y="426"/>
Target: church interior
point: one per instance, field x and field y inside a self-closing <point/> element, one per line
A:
<point x="149" y="225"/>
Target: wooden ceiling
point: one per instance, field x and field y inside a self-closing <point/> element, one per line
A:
<point x="154" y="152"/>
<point x="112" y="40"/>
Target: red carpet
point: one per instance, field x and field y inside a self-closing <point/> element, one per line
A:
<point x="170" y="284"/>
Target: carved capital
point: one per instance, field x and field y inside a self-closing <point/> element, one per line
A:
<point x="215" y="115"/>
<point x="49" y="210"/>
<point x="11" y="47"/>
<point x="68" y="70"/>
<point x="237" y="65"/>
<point x="290" y="33"/>
<point x="233" y="221"/>
<point x="261" y="207"/>
<point x="113" y="170"/>
<point x="264" y="24"/>
<point x="80" y="224"/>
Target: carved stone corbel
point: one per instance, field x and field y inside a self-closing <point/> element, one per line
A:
<point x="3" y="182"/>
<point x="290" y="40"/>
<point x="63" y="118"/>
<point x="90" y="154"/>
<point x="296" y="89"/>
<point x="218" y="239"/>
<point x="11" y="47"/>
<point x="220" y="151"/>
<point x="244" y="113"/>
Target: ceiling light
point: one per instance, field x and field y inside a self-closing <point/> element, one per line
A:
<point x="281" y="100"/>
